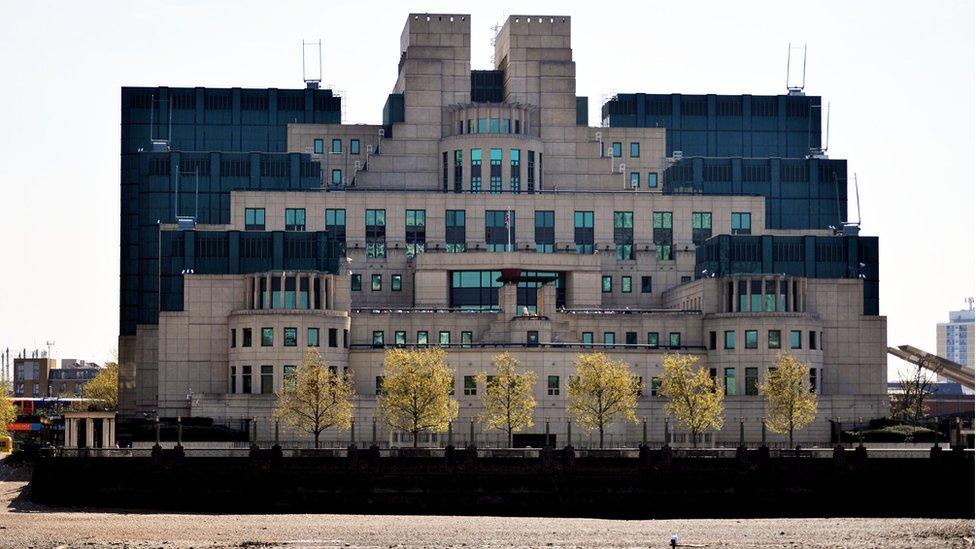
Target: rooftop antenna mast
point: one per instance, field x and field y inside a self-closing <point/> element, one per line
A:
<point x="310" y="75"/>
<point x="494" y="40"/>
<point x="791" y="86"/>
<point x="857" y="196"/>
<point x="49" y="344"/>
<point x="969" y="301"/>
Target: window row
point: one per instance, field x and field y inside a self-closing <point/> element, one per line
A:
<point x="500" y="229"/>
<point x="750" y="339"/>
<point x="375" y="282"/>
<point x="318" y="146"/>
<point x="289" y="337"/>
<point x="422" y="339"/>
<point x="750" y="381"/>
<point x="630" y="338"/>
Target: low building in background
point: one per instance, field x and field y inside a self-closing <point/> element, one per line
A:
<point x="47" y="377"/>
<point x="956" y="339"/>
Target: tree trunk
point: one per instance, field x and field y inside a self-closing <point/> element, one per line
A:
<point x="416" y="437"/>
<point x="694" y="438"/>
<point x="509" y="437"/>
<point x="316" y="440"/>
<point x="791" y="436"/>
<point x="601" y="436"/>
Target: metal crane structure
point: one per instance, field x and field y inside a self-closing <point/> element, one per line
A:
<point x="943" y="367"/>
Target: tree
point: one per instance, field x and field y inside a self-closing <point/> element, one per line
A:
<point x="507" y="400"/>
<point x="695" y="400"/>
<point x="316" y="398"/>
<point x="909" y="403"/>
<point x="790" y="404"/>
<point x="416" y="391"/>
<point x="102" y="391"/>
<point x="8" y="412"/>
<point x="602" y="392"/>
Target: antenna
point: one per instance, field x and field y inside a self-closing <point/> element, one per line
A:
<point x="311" y="77"/>
<point x="857" y="195"/>
<point x="49" y="345"/>
<point x="793" y="89"/>
<point x="969" y="301"/>
<point x="494" y="39"/>
<point x="827" y="137"/>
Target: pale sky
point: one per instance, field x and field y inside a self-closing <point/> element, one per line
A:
<point x="899" y="77"/>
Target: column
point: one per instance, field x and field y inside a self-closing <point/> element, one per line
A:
<point x="111" y="432"/>
<point x="89" y="432"/>
<point x="255" y="298"/>
<point x="329" y="281"/>
<point x="67" y="432"/>
<point x="281" y="291"/>
<point x="735" y="295"/>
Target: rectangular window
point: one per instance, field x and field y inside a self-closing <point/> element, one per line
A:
<point x="267" y="380"/>
<point x="288" y="373"/>
<point x="674" y="340"/>
<point x="378" y="385"/>
<point x="741" y="223"/>
<point x="623" y="234"/>
<point x="378" y="338"/>
<point x="291" y="337"/>
<point x="318" y="146"/>
<point x="607" y="284"/>
<point x="730" y="339"/>
<point x="634" y="150"/>
<point x="354" y="146"/>
<point x="400" y="337"/>
<point x="499" y="230"/>
<point x="655" y="386"/>
<point x="813" y="341"/>
<point x="444" y="338"/>
<point x="245" y="337"/>
<point x="376" y="283"/>
<point x="730" y="381"/>
<point x="663" y="235"/>
<point x="466" y="339"/>
<point x="356" y="282"/>
<point x="454" y="229"/>
<point x="246" y="380"/>
<point x="336" y="145"/>
<point x="701" y="227"/>
<point x="653" y="340"/>
<point x="336" y="176"/>
<point x="335" y="224"/>
<point x="416" y="231"/>
<point x="495" y="170"/>
<point x="712" y="339"/>
<point x="294" y="219"/>
<point x="515" y="161"/>
<point x="586" y="338"/>
<point x="646" y="286"/>
<point x="375" y="233"/>
<point x="773" y="339"/>
<point x="752" y="339"/>
<point x="532" y="338"/>
<point x="470" y="386"/>
<point x="312" y="337"/>
<point x="253" y="219"/>
<point x="752" y="381"/>
<point x="475" y="170"/>
<point x="396" y="282"/>
<point x="634" y="180"/>
<point x="651" y="180"/>
<point x="552" y="385"/>
<point x="333" y="337"/>
<point x="609" y="338"/>
<point x="422" y="338"/>
<point x="813" y="381"/>
<point x="626" y="286"/>
<point x="458" y="170"/>
<point x="617" y="149"/>
<point x="583" y="231"/>
<point x="630" y="338"/>
<point x="529" y="168"/>
<point x="545" y="231"/>
<point x="233" y="380"/>
<point x="233" y="338"/>
<point x="796" y="339"/>
<point x="267" y="337"/>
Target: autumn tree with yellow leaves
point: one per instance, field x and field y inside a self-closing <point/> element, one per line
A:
<point x="415" y="393"/>
<point x="602" y="392"/>
<point x="8" y="412"/>
<point x="790" y="404"/>
<point x="316" y="397"/>
<point x="507" y="399"/>
<point x="694" y="399"/>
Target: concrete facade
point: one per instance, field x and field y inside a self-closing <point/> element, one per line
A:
<point x="582" y="203"/>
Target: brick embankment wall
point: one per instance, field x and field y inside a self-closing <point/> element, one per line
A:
<point x="656" y="484"/>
